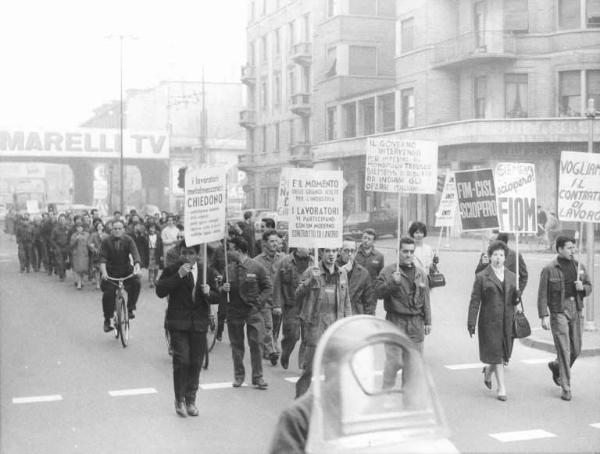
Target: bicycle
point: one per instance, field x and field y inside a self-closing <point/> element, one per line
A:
<point x="121" y="314"/>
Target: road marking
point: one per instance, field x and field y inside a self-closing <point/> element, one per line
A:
<point x="132" y="392"/>
<point x="596" y="425"/>
<point x="222" y="385"/>
<point x="464" y="366"/>
<point x="292" y="379"/>
<point x="522" y="435"/>
<point x="536" y="360"/>
<point x="32" y="399"/>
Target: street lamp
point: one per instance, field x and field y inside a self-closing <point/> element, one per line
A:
<point x="589" y="324"/>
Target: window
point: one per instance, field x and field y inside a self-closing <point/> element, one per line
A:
<point x="263" y="49"/>
<point x="292" y="82"/>
<point x="593" y="87"/>
<point x="569" y="14"/>
<point x="569" y="94"/>
<point x="479" y="93"/>
<point x="366" y="116"/>
<point x="263" y="94"/>
<point x="251" y="11"/>
<point x="407" y="35"/>
<point x="276" y="131"/>
<point x="362" y="7"/>
<point x="251" y="47"/>
<point x="592" y="13"/>
<point x="516" y="15"/>
<point x="291" y="35"/>
<point x="386" y="8"/>
<point x="332" y="8"/>
<point x="276" y="90"/>
<point x="362" y="61"/>
<point x="292" y="132"/>
<point x="349" y="119"/>
<point x="331" y="123"/>
<point x="331" y="62"/>
<point x="408" y="108"/>
<point x="277" y="41"/>
<point x="479" y="24"/>
<point x="386" y="112"/>
<point x="306" y="27"/>
<point x="264" y="7"/>
<point x="515" y="94"/>
<point x="263" y="137"/>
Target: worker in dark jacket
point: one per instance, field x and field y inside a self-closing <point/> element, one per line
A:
<point x="369" y="257"/>
<point x="360" y="287"/>
<point x="510" y="262"/>
<point x="59" y="239"/>
<point x="187" y="321"/>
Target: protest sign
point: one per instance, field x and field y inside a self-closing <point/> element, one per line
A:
<point x="204" y="205"/>
<point x="448" y="203"/>
<point x="476" y="199"/>
<point x="516" y="197"/>
<point x="315" y="202"/>
<point x="283" y="196"/>
<point x="401" y="166"/>
<point x="579" y="187"/>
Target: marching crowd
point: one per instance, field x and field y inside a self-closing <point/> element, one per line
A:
<point x="265" y="291"/>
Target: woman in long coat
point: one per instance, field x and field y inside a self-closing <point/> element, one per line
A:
<point x="79" y="254"/>
<point x="94" y="242"/>
<point x="494" y="297"/>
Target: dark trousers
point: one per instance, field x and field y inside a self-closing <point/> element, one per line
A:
<point x="26" y="256"/>
<point x="255" y="329"/>
<point x="290" y="331"/>
<point x="132" y="287"/>
<point x="61" y="256"/>
<point x="40" y="255"/>
<point x="189" y="348"/>
<point x="567" y="334"/>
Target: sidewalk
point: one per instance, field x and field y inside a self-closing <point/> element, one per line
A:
<point x="542" y="340"/>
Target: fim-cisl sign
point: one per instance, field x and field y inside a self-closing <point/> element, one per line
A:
<point x="85" y="143"/>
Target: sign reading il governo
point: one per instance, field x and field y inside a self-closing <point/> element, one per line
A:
<point x="84" y="143"/>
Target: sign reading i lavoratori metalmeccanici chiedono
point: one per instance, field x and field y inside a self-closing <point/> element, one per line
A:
<point x="516" y="197"/>
<point x="204" y="205"/>
<point x="401" y="166"/>
<point x="444" y="217"/>
<point x="315" y="208"/>
<point x="579" y="187"/>
<point x="476" y="199"/>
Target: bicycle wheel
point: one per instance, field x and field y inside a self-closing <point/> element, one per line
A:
<point x="122" y="319"/>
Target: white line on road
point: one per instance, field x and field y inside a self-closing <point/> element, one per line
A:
<point x="132" y="392"/>
<point x="522" y="435"/>
<point x="292" y="379"/>
<point x="596" y="425"/>
<point x="464" y="366"/>
<point x="32" y="399"/>
<point x="222" y="385"/>
<point x="536" y="360"/>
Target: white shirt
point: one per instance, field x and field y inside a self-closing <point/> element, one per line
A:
<point x="194" y="272"/>
<point x="169" y="235"/>
<point x="424" y="256"/>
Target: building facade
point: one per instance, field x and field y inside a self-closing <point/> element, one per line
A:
<point x="488" y="80"/>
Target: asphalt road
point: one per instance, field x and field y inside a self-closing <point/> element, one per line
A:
<point x="52" y="347"/>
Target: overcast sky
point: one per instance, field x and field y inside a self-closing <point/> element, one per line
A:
<point x="58" y="63"/>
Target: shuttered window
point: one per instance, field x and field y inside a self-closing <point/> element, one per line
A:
<point x="593" y="87"/>
<point x="516" y="15"/>
<point x="568" y="14"/>
<point x="569" y="94"/>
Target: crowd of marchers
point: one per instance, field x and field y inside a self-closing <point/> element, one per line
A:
<point x="273" y="297"/>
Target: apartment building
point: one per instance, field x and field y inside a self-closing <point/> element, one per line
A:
<point x="488" y="80"/>
<point x="303" y="57"/>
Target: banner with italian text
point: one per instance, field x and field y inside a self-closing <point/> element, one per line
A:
<point x="476" y="199"/>
<point x="516" y="197"/>
<point x="579" y="187"/>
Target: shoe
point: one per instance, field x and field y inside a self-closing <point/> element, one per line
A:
<point x="191" y="409"/>
<point x="502" y="397"/>
<point x="260" y="384"/>
<point x="566" y="395"/>
<point x="273" y="357"/>
<point x="180" y="408"/>
<point x="237" y="382"/>
<point x="555" y="374"/>
<point x="487" y="383"/>
<point x="131" y="314"/>
<point x="285" y="362"/>
<point x="151" y="285"/>
<point x="107" y="326"/>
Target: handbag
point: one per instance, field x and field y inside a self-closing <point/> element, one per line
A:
<point x="435" y="278"/>
<point x="521" y="326"/>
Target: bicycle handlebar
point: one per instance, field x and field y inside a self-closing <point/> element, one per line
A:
<point x="120" y="279"/>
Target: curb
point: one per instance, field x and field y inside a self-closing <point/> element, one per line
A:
<point x="544" y="345"/>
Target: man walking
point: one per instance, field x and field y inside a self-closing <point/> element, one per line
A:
<point x="248" y="232"/>
<point x="286" y="282"/>
<point x="405" y="296"/>
<point x="249" y="287"/>
<point x="187" y="320"/>
<point x="323" y="296"/>
<point x="563" y="284"/>
<point x="369" y="257"/>
<point x="59" y="239"/>
<point x="360" y="286"/>
<point x="270" y="259"/>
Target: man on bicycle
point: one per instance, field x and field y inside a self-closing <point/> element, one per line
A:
<point x="114" y="261"/>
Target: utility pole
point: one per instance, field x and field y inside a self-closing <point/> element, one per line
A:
<point x="590" y="324"/>
<point x="121" y="166"/>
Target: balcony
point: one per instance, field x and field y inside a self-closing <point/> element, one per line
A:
<point x="300" y="153"/>
<point x="302" y="53"/>
<point x="248" y="76"/>
<point x="475" y="48"/>
<point x="247" y="119"/>
<point x="300" y="104"/>
<point x="480" y="131"/>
